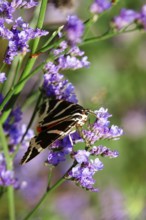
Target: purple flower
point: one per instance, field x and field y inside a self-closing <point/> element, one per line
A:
<point x="142" y="18"/>
<point x="74" y="59"/>
<point x="101" y="128"/>
<point x="62" y="47"/>
<point x="6" y="11"/>
<point x="59" y="88"/>
<point x="59" y="150"/>
<point x="23" y="4"/>
<point x="82" y="156"/>
<point x="72" y="62"/>
<point x="74" y="29"/>
<point x="82" y="173"/>
<point x="5" y="33"/>
<point x="6" y="176"/>
<point x="103" y="151"/>
<point x="15" y="130"/>
<point x="100" y="6"/>
<point x="126" y="17"/>
<point x="2" y="77"/>
<point x="21" y="34"/>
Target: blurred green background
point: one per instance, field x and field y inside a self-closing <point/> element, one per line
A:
<point x="115" y="80"/>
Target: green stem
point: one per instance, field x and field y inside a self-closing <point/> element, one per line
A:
<point x="11" y="202"/>
<point x="15" y="89"/>
<point x="49" y="190"/>
<point x="5" y="147"/>
<point x="108" y="34"/>
<point x="9" y="167"/>
<point x="10" y="75"/>
<point x="48" y="47"/>
<point x="40" y="23"/>
<point x="2" y="67"/>
<point x="32" y="117"/>
<point x="53" y="35"/>
<point x="58" y="183"/>
<point x="17" y="70"/>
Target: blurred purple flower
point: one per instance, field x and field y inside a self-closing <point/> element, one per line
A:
<point x="6" y="176"/>
<point x="6" y="12"/>
<point x="74" y="28"/>
<point x="2" y="77"/>
<point x="126" y="17"/>
<point x="23" y="4"/>
<point x="142" y="17"/>
<point x="100" y="6"/>
<point x="15" y="130"/>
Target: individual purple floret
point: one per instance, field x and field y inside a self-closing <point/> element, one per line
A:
<point x="126" y="17"/>
<point x="2" y="77"/>
<point x="100" y="6"/>
<point x="74" y="28"/>
<point x="82" y="173"/>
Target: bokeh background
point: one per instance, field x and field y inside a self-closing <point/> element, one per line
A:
<point x="115" y="80"/>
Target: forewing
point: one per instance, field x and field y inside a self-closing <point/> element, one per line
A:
<point x="56" y="111"/>
<point x="45" y="138"/>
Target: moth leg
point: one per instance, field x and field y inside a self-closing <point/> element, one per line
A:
<point x="79" y="129"/>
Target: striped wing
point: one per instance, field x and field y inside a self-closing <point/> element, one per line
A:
<point x="57" y="111"/>
<point x="56" y="121"/>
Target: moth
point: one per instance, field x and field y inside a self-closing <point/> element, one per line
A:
<point x="56" y="120"/>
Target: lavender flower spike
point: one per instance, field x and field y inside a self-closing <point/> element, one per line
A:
<point x="6" y="176"/>
<point x="21" y="34"/>
<point x="82" y="173"/>
<point x="126" y="17"/>
<point x="101" y="128"/>
<point x="74" y="29"/>
<point x="57" y="87"/>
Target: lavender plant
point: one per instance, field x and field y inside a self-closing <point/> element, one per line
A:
<point x="21" y="63"/>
